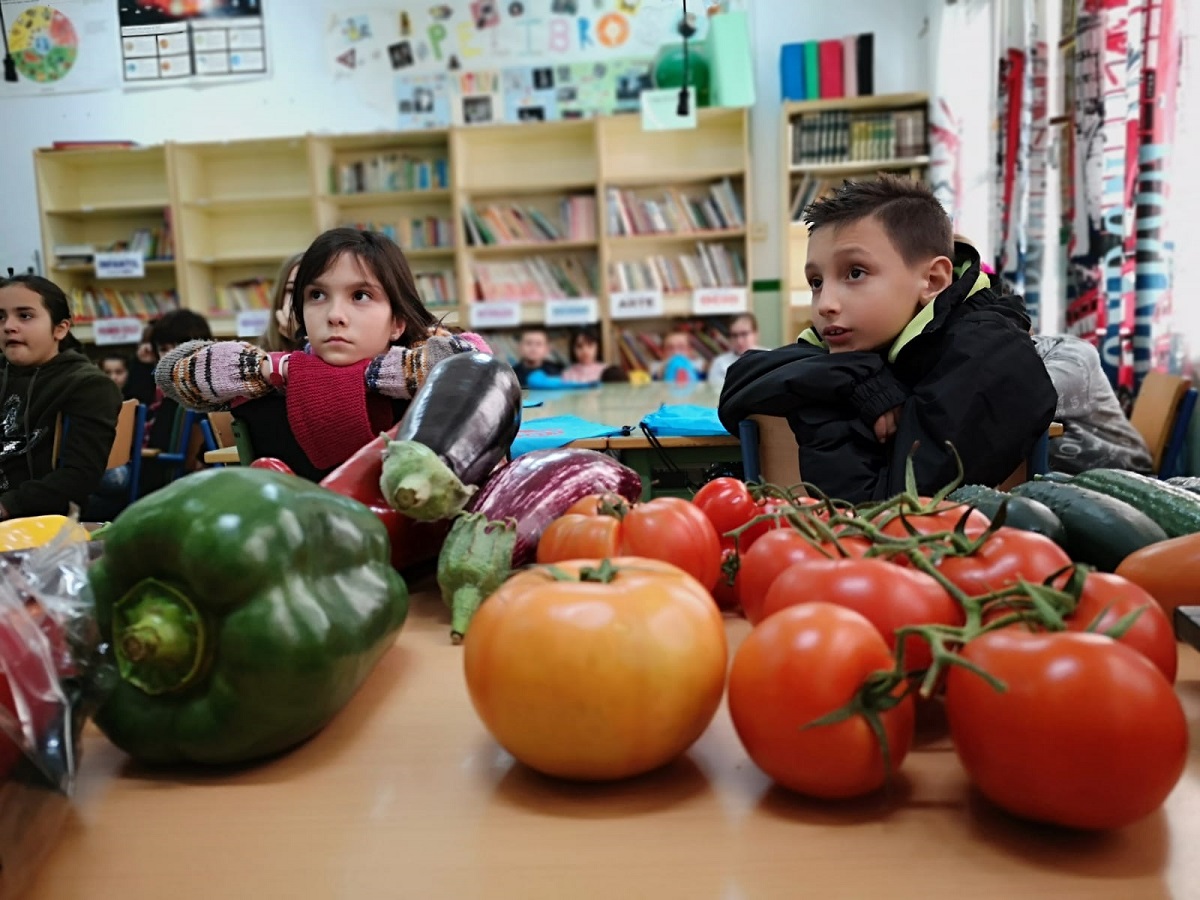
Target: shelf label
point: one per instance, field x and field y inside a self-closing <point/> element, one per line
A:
<point x="252" y="322"/>
<point x="636" y="304"/>
<point x="718" y="301"/>
<point x="126" y="264"/>
<point x="495" y="314"/>
<point x="572" y="311"/>
<point x="106" y="332"/>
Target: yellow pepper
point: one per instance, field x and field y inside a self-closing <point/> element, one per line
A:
<point x="35" y="531"/>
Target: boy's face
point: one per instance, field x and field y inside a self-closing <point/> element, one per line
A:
<point x="115" y="369"/>
<point x="864" y="293"/>
<point x="676" y="344"/>
<point x="534" y="348"/>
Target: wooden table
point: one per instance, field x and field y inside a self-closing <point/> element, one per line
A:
<point x="405" y="795"/>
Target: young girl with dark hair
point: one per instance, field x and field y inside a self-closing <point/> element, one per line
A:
<point x="44" y="376"/>
<point x="370" y="345"/>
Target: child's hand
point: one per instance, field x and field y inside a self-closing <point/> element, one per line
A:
<point x="885" y="425"/>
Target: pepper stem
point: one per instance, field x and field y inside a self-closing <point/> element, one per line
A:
<point x="159" y="638"/>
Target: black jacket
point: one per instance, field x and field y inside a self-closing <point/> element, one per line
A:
<point x="32" y="398"/>
<point x="965" y="371"/>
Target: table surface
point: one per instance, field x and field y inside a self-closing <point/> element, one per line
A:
<point x="405" y="795"/>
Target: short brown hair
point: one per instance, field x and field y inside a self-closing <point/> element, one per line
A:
<point x="911" y="216"/>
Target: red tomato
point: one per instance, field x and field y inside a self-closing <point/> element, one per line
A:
<point x="797" y="666"/>
<point x="597" y="680"/>
<point x="667" y="528"/>
<point x="1087" y="732"/>
<point x="1107" y="598"/>
<point x="762" y="564"/>
<point x="1007" y="555"/>
<point x="889" y="597"/>
<point x="725" y="590"/>
<point x="945" y="517"/>
<point x="727" y="503"/>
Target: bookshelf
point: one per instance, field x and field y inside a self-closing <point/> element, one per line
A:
<point x="827" y="141"/>
<point x="234" y="210"/>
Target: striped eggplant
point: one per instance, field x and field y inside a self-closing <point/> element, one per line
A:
<point x="538" y="487"/>
<point x="458" y="428"/>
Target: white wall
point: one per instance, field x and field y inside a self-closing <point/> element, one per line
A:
<point x="300" y="97"/>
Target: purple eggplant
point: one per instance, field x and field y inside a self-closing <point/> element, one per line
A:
<point x="538" y="487"/>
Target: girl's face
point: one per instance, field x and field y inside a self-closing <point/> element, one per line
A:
<point x="115" y="369"/>
<point x="283" y="315"/>
<point x="347" y="314"/>
<point x="28" y="336"/>
<point x="585" y="350"/>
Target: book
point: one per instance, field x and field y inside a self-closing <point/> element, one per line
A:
<point x="832" y="75"/>
<point x="866" y="64"/>
<point x="791" y="72"/>
<point x="91" y="145"/>
<point x="850" y="65"/>
<point x="812" y="71"/>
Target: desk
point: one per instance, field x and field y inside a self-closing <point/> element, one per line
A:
<point x="405" y="795"/>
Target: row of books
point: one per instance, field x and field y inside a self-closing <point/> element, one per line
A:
<point x="537" y="278"/>
<point x="642" y="349"/>
<point x="840" y="67"/>
<point x="836" y="136"/>
<point x="675" y="212"/>
<point x="251" y="293"/>
<point x="510" y="223"/>
<point x="153" y="243"/>
<point x="713" y="265"/>
<point x="388" y="172"/>
<point x="106" y="303"/>
<point x="437" y="288"/>
<point x="808" y="189"/>
<point x="426" y="233"/>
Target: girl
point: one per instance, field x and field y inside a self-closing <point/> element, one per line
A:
<point x="371" y="343"/>
<point x="586" y="365"/>
<point x="44" y="375"/>
<point x="280" y="335"/>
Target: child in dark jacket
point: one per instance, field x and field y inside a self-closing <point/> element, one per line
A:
<point x="908" y="349"/>
<point x="44" y="376"/>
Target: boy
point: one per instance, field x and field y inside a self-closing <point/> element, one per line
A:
<point x="743" y="336"/>
<point x="907" y="349"/>
<point x="116" y="367"/>
<point x="534" y="350"/>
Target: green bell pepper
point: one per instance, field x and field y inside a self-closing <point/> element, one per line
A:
<point x="242" y="609"/>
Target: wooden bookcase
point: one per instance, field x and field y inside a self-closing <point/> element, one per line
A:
<point x="237" y="209"/>
<point x="856" y="159"/>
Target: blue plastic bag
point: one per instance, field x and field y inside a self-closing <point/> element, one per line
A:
<point x="556" y="431"/>
<point x="684" y="420"/>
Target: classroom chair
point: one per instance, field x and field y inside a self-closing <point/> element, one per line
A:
<point x="1162" y="413"/>
<point x="131" y="426"/>
<point x="186" y="446"/>
<point x="770" y="454"/>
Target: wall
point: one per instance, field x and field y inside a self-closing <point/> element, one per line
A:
<point x="300" y="97"/>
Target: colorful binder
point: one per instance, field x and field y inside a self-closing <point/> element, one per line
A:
<point x="832" y="75"/>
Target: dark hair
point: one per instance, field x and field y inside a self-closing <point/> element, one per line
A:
<point x="748" y="316"/>
<point x="119" y="357"/>
<point x="588" y="333"/>
<point x="179" y="326"/>
<point x="533" y="329"/>
<point x="386" y="261"/>
<point x="54" y="299"/>
<point x="273" y="340"/>
<point x="911" y="216"/>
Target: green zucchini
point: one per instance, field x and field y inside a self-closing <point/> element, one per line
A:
<point x="1176" y="510"/>
<point x="1053" y="477"/>
<point x="1100" y="530"/>
<point x="1022" y="512"/>
<point x="476" y="559"/>
<point x="1187" y="482"/>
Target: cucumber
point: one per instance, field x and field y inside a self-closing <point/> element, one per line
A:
<point x="1100" y="530"/>
<point x="1022" y="512"/>
<point x="1187" y="482"/>
<point x="1053" y="477"/>
<point x="1176" y="510"/>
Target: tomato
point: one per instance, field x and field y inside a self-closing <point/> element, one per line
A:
<point x="1169" y="570"/>
<point x="944" y="517"/>
<point x="34" y="655"/>
<point x="272" y="464"/>
<point x="1107" y="598"/>
<point x="797" y="666"/>
<point x="762" y="564"/>
<point x="1087" y="733"/>
<point x="668" y="528"/>
<point x="1007" y="555"/>
<point x="888" y="596"/>
<point x="596" y="681"/>
<point x="727" y="503"/>
<point x="725" y="590"/>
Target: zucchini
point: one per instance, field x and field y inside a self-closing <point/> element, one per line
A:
<point x="1022" y="512"/>
<point x="475" y="560"/>
<point x="1187" y="482"/>
<point x="1053" y="477"/>
<point x="1176" y="510"/>
<point x="1100" y="530"/>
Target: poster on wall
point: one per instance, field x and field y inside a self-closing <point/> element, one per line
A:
<point x="169" y="42"/>
<point x="550" y="59"/>
<point x="60" y="46"/>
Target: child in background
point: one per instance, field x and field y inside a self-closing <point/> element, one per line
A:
<point x="140" y="385"/>
<point x="116" y="367"/>
<point x="44" y="375"/>
<point x="907" y="350"/>
<point x="586" y="366"/>
<point x="679" y="361"/>
<point x="371" y="344"/>
<point x="176" y="327"/>
<point x="280" y="335"/>
<point x="743" y="336"/>
<point x="533" y="348"/>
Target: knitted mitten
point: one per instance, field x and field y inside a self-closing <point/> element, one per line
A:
<point x="402" y="370"/>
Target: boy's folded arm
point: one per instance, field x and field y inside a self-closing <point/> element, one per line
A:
<point x="210" y="375"/>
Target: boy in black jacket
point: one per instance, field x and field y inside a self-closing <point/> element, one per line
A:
<point x="907" y="348"/>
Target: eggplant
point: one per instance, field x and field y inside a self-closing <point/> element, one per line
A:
<point x="457" y="429"/>
<point x="538" y="487"/>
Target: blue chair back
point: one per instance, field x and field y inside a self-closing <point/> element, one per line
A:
<point x="1173" y="457"/>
